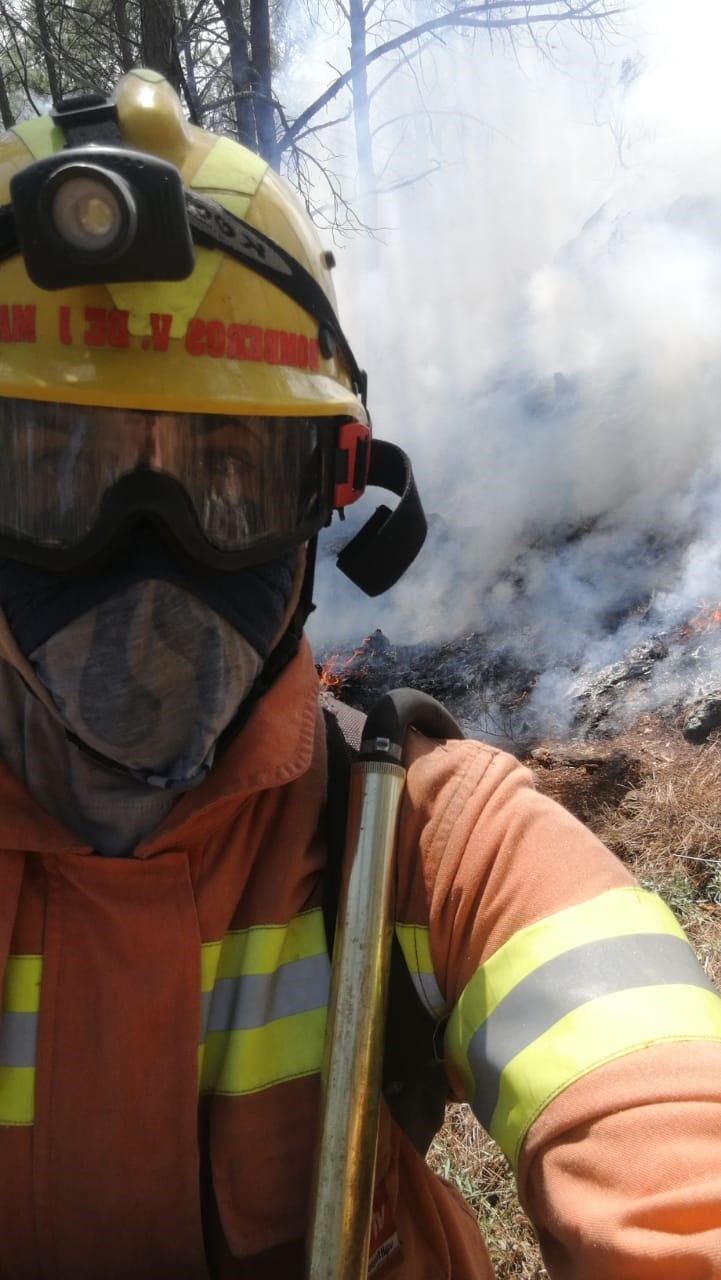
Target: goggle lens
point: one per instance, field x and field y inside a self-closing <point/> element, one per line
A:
<point x="249" y="480"/>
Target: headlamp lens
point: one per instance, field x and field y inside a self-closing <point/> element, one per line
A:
<point x="93" y="213"/>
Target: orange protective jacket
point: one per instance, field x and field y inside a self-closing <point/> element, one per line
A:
<point x="162" y="1017"/>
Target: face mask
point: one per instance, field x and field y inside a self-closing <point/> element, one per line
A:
<point x="149" y="678"/>
<point x="38" y="603"/>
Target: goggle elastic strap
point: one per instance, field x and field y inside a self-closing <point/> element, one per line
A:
<point x="387" y="544"/>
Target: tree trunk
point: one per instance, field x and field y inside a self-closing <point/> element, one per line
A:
<point x="122" y="28"/>
<point x="157" y="39"/>
<point x="359" y="85"/>
<point x="264" y="110"/>
<point x="6" y="113"/>
<point x="51" y="66"/>
<point x="241" y="72"/>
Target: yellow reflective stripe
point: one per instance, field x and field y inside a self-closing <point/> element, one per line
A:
<point x="596" y="1033"/>
<point x="242" y="1062"/>
<point x="614" y="914"/>
<point x="263" y="1014"/>
<point x="21" y="985"/>
<point x="41" y="137"/>
<point x="415" y="945"/>
<point x="231" y="176"/>
<point x="541" y="999"/>
<point x="610" y="915"/>
<point x="262" y="948"/>
<point x="20" y="995"/>
<point x="17" y="1095"/>
<point x="209" y="957"/>
<point x="179" y="299"/>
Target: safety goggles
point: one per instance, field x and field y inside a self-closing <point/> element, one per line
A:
<point x="229" y="491"/>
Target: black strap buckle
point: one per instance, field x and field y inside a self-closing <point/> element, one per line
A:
<point x="86" y="118"/>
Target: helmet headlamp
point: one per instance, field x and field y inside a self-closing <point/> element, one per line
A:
<point x="101" y="215"/>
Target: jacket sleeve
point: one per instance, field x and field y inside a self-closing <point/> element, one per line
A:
<point x="581" y="1027"/>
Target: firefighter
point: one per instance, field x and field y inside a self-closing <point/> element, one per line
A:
<point x="180" y="413"/>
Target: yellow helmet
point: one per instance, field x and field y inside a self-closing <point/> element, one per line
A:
<point x="159" y="280"/>
<point x="218" y="340"/>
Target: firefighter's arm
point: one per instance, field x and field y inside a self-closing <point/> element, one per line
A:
<point x="583" y="1030"/>
<point x="621" y="1175"/>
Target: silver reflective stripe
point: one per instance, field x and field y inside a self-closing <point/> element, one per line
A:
<point x="415" y="944"/>
<point x="240" y="1004"/>
<point x="206" y="999"/>
<point x="559" y="986"/>
<point x="18" y="1034"/>
<point x="429" y="993"/>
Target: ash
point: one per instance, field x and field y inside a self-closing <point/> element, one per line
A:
<point x="498" y="697"/>
<point x="486" y="690"/>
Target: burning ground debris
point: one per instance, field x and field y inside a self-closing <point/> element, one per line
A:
<point x="484" y="690"/>
<point x="581" y="626"/>
<point x="596" y="697"/>
<point x="675" y="664"/>
<point x="490" y="689"/>
<point x="702" y="719"/>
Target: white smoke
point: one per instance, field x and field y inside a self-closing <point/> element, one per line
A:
<point x="541" y="322"/>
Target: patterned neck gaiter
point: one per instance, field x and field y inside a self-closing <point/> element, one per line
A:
<point x="149" y="678"/>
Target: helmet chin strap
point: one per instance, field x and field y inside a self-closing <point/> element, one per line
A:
<point x="144" y="776"/>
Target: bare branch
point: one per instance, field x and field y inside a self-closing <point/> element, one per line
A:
<point x="467" y="16"/>
<point x="224" y="55"/>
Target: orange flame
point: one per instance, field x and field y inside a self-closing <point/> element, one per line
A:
<point x="706" y="616"/>
<point x="334" y="671"/>
<point x="518" y="698"/>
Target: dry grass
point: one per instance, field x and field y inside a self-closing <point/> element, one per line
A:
<point x="656" y="801"/>
<point x="465" y="1155"/>
<point x="668" y="830"/>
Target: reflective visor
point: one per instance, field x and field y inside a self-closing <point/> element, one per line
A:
<point x="72" y="475"/>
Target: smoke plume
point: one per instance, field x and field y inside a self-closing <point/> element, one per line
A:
<point x="540" y="317"/>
